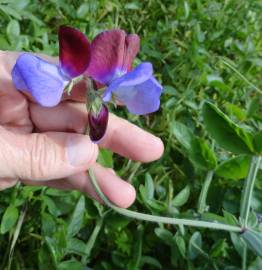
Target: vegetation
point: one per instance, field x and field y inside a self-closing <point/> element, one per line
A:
<point x="208" y="56"/>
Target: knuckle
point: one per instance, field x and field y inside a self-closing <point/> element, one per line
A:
<point x="41" y="156"/>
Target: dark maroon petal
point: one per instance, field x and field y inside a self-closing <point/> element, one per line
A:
<point x="98" y="124"/>
<point x="74" y="51"/>
<point x="107" y="54"/>
<point x="132" y="47"/>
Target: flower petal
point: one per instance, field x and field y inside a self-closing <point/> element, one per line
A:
<point x="98" y="124"/>
<point x="137" y="76"/>
<point x="142" y="98"/>
<point x="41" y="79"/>
<point x="112" y="52"/>
<point x="74" y="51"/>
<point x="132" y="49"/>
<point x="107" y="52"/>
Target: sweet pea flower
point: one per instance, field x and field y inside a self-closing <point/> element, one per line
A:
<point x="45" y="81"/>
<point x="112" y="54"/>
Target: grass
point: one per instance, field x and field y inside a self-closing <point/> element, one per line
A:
<point x="201" y="50"/>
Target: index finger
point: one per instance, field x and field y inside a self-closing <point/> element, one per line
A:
<point x="121" y="136"/>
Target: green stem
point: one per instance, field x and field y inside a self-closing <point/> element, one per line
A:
<point x="92" y="239"/>
<point x="203" y="195"/>
<point x="160" y="219"/>
<point x="16" y="234"/>
<point x="248" y="189"/>
<point x="246" y="200"/>
<point x="244" y="257"/>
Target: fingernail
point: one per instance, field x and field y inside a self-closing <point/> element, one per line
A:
<point x="81" y="151"/>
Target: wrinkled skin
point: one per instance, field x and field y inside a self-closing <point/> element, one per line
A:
<point x="35" y="143"/>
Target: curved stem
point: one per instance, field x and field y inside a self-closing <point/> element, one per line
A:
<point x="203" y="195"/>
<point x="160" y="219"/>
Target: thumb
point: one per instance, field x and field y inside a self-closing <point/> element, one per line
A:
<point x="44" y="156"/>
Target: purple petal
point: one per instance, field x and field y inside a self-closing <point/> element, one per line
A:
<point x="74" y="51"/>
<point x="98" y="124"/>
<point x="111" y="52"/>
<point x="137" y="76"/>
<point x="142" y="98"/>
<point x="42" y="80"/>
<point x="132" y="49"/>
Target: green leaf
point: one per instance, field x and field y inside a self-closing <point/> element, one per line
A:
<point x="71" y="264"/>
<point x="10" y="11"/>
<point x="183" y="134"/>
<point x="230" y="218"/>
<point x="150" y="261"/>
<point x="116" y="221"/>
<point x="256" y="265"/>
<point x="13" y="29"/>
<point x="233" y="109"/>
<point x="52" y="207"/>
<point x="254" y="241"/>
<point x="237" y="242"/>
<point x="105" y="158"/>
<point x="200" y="153"/>
<point x="180" y="242"/>
<point x="133" y="6"/>
<point x="169" y="90"/>
<point x="258" y="142"/>
<point x="149" y="187"/>
<point x="165" y="235"/>
<point x="45" y="261"/>
<point x="9" y="219"/>
<point x="83" y="10"/>
<point x="75" y="246"/>
<point x="202" y="156"/>
<point x="182" y="197"/>
<point x="219" y="249"/>
<point x="253" y="107"/>
<point x="48" y="224"/>
<point x="77" y="218"/>
<point x="234" y="168"/>
<point x="225" y="132"/>
<point x="217" y="82"/>
<point x="195" y="246"/>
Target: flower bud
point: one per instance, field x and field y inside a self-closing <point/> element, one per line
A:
<point x="98" y="123"/>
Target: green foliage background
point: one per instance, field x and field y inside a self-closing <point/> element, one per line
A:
<point x="201" y="50"/>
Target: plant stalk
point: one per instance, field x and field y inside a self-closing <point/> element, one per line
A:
<point x="160" y="219"/>
<point x="248" y="190"/>
<point x="204" y="191"/>
<point x="246" y="199"/>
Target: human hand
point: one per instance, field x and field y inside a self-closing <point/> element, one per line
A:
<point x="59" y="155"/>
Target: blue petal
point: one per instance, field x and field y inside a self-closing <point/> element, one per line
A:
<point x="44" y="81"/>
<point x="138" y="75"/>
<point x="142" y="98"/>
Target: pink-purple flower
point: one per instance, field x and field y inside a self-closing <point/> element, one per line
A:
<point x="107" y="60"/>
<point x="46" y="81"/>
<point x="112" y="54"/>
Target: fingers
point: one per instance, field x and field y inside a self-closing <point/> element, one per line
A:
<point x="121" y="136"/>
<point x="7" y="183"/>
<point x="50" y="155"/>
<point x="117" y="191"/>
<point x="14" y="113"/>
